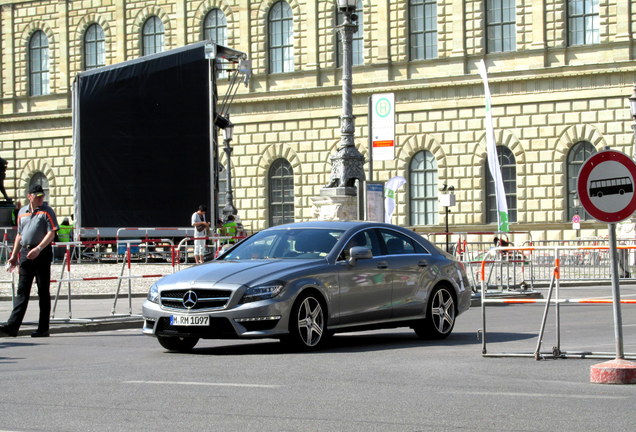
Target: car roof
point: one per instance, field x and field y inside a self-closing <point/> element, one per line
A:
<point x="345" y="226"/>
<point x="342" y="225"/>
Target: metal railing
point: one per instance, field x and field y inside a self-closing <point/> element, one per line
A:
<point x="553" y="298"/>
<point x="125" y="275"/>
<point x="583" y="260"/>
<point x="216" y="243"/>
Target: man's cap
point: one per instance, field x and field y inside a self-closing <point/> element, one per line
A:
<point x="36" y="190"/>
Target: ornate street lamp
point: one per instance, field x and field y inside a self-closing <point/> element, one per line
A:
<point x="347" y="162"/>
<point x="447" y="200"/>
<point x="228" y="134"/>
<point x="576" y="202"/>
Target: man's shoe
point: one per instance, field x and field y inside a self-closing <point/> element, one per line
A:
<point x="38" y="334"/>
<point x="6" y="332"/>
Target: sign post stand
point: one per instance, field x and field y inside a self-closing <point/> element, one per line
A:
<point x="605" y="186"/>
<point x="616" y="293"/>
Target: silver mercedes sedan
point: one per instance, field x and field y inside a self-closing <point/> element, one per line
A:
<point x="303" y="282"/>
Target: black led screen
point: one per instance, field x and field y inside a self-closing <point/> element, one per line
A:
<point x="144" y="141"/>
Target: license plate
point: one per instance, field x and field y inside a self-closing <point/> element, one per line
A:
<point x="189" y="320"/>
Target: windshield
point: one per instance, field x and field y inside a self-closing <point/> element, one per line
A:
<point x="305" y="243"/>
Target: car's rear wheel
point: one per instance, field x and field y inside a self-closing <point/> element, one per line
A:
<point x="180" y="344"/>
<point x="307" y="323"/>
<point x="440" y="316"/>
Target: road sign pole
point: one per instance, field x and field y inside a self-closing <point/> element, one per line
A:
<point x="605" y="185"/>
<point x="616" y="292"/>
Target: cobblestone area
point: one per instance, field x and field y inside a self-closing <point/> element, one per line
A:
<point x="96" y="270"/>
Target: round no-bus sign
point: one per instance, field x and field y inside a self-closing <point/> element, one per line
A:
<point x="606" y="186"/>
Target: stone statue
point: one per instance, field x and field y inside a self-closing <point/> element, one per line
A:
<point x="3" y="175"/>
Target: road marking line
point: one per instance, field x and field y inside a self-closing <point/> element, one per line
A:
<point x="542" y="395"/>
<point x="204" y="384"/>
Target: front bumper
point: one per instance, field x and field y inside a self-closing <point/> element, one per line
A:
<point x="261" y="319"/>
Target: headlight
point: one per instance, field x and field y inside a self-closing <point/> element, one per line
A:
<point x="262" y="292"/>
<point x="153" y="294"/>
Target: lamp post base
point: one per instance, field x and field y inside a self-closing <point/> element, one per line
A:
<point x="336" y="204"/>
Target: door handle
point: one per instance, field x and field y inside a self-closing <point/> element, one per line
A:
<point x="382" y="265"/>
<point x="422" y="264"/>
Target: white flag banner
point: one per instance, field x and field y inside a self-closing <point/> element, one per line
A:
<point x="493" y="160"/>
<point x="390" y="187"/>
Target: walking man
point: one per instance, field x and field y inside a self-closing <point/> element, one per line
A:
<point x="32" y="251"/>
<point x="201" y="227"/>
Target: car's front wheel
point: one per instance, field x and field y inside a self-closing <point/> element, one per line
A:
<point x="440" y="316"/>
<point x="307" y="323"/>
<point x="180" y="344"/>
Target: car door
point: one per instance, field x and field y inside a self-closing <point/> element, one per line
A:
<point x="409" y="272"/>
<point x="365" y="287"/>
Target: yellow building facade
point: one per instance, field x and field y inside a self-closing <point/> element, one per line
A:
<point x="560" y="73"/>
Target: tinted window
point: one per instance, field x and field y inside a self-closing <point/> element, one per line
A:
<point x="398" y="244"/>
<point x="367" y="239"/>
<point x="306" y="243"/>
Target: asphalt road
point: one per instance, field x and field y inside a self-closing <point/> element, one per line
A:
<point x="372" y="381"/>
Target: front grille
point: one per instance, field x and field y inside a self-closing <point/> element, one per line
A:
<point x="205" y="298"/>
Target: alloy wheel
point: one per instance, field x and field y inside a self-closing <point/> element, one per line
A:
<point x="443" y="311"/>
<point x="310" y="321"/>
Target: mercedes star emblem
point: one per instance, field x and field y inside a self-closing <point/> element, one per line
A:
<point x="190" y="299"/>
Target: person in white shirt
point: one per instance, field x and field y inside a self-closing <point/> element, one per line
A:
<point x="201" y="228"/>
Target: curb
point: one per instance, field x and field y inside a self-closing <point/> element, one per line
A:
<point x="82" y="297"/>
<point x="93" y="325"/>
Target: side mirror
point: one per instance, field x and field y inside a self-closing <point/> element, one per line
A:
<point x="357" y="253"/>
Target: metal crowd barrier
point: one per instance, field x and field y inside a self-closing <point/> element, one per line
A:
<point x="525" y="268"/>
<point x="511" y="273"/>
<point x="216" y="242"/>
<point x="140" y="250"/>
<point x="158" y="253"/>
<point x="124" y="275"/>
<point x="581" y="260"/>
<point x="6" y="247"/>
<point x="553" y="291"/>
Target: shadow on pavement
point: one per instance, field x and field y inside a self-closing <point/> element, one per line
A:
<point x="355" y="342"/>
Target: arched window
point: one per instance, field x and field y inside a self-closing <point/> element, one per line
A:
<point x="423" y="189"/>
<point x="38" y="64"/>
<point x="509" y="178"/>
<point x="152" y="36"/>
<point x="39" y="179"/>
<point x="281" y="38"/>
<point x="578" y="154"/>
<point x="358" y="37"/>
<point x="215" y="26"/>
<point x="423" y="29"/>
<point x="94" y="51"/>
<point x="214" y="29"/>
<point x="281" y="193"/>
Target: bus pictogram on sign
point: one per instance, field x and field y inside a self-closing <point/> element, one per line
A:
<point x="611" y="186"/>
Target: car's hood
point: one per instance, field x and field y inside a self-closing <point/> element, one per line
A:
<point x="237" y="272"/>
